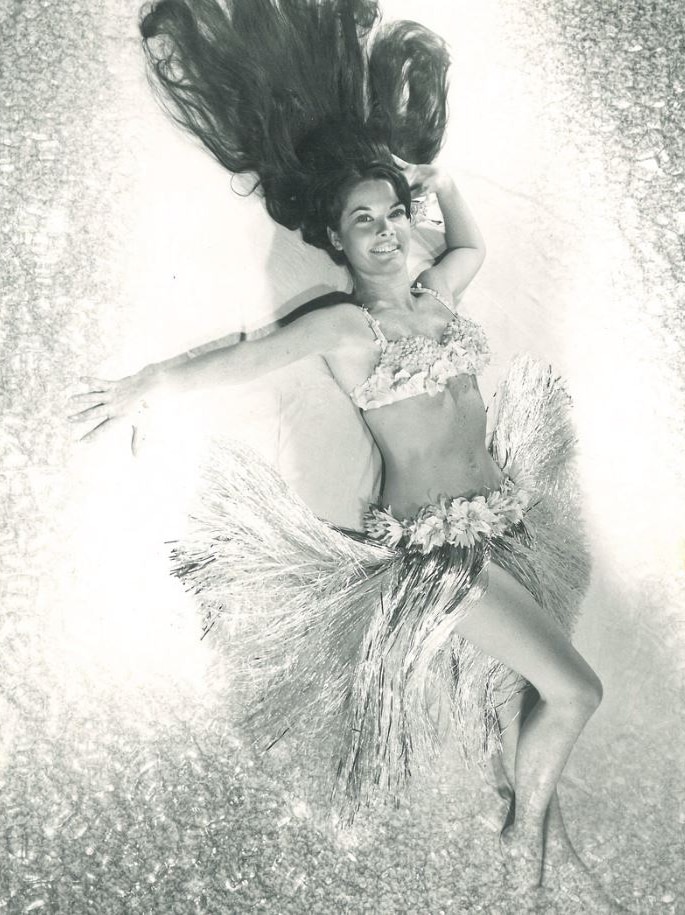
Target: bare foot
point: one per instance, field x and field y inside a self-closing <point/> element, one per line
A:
<point x="522" y="853"/>
<point x="564" y="872"/>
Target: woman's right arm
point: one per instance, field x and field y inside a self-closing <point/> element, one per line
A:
<point x="315" y="333"/>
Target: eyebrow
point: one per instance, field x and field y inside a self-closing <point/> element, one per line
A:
<point x="357" y="209"/>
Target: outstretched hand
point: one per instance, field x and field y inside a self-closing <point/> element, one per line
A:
<point x="105" y="402"/>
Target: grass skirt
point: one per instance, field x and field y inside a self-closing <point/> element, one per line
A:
<point x="337" y="635"/>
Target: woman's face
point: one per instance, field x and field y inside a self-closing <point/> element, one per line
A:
<point x="374" y="230"/>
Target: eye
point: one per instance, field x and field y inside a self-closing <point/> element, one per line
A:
<point x="400" y="211"/>
<point x="363" y="217"/>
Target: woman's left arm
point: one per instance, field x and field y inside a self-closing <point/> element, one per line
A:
<point x="465" y="245"/>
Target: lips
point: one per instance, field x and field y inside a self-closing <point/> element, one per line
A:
<point x="385" y="249"/>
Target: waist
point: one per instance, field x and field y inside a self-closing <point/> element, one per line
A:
<point x="460" y="521"/>
<point x="407" y="486"/>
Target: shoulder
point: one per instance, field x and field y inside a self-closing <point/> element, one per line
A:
<point x="328" y="327"/>
<point x="343" y="313"/>
<point x="338" y="316"/>
<point x="433" y="279"/>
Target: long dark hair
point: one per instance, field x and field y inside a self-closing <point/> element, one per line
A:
<point x="307" y="95"/>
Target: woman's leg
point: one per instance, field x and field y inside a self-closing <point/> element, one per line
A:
<point x="509" y="625"/>
<point x="562" y="866"/>
<point x="557" y="843"/>
<point x="510" y="716"/>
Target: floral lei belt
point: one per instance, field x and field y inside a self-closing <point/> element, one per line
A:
<point x="453" y="520"/>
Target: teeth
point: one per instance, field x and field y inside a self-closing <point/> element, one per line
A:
<point x="386" y="250"/>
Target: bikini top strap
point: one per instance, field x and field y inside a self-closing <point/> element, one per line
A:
<point x="375" y="327"/>
<point x="419" y="287"/>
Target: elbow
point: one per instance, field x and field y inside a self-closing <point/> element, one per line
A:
<point x="477" y="257"/>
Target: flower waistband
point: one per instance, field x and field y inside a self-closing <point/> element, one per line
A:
<point x="454" y="520"/>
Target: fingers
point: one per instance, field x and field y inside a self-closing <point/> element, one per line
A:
<point x="96" y="384"/>
<point x="413" y="175"/>
<point x="94" y="432"/>
<point x="102" y="404"/>
<point x="88" y="398"/>
<point x="91" y="405"/>
<point x="92" y="409"/>
<point x="137" y="440"/>
<point x="98" y="412"/>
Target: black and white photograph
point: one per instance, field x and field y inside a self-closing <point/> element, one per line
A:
<point x="342" y="561"/>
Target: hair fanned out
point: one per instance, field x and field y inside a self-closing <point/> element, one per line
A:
<point x="307" y="95"/>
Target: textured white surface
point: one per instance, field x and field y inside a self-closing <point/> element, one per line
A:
<point x="122" y="243"/>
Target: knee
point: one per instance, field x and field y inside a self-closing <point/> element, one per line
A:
<point x="590" y="692"/>
<point x="580" y="695"/>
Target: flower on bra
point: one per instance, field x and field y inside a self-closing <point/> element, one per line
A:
<point x="438" y="375"/>
<point x="399" y="377"/>
<point x="434" y="386"/>
<point x="441" y="368"/>
<point x="467" y="341"/>
<point x="410" y="366"/>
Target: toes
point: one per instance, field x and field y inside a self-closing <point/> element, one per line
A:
<point x="522" y="861"/>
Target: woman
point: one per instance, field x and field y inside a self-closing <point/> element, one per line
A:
<point x="470" y="566"/>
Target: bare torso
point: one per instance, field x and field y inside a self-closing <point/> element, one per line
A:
<point x="433" y="445"/>
<point x="430" y="444"/>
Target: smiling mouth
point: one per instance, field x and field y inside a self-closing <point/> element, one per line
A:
<point x="385" y="249"/>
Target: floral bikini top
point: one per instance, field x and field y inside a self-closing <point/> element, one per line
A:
<point x="415" y="365"/>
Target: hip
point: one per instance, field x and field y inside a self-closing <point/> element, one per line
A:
<point x="451" y="520"/>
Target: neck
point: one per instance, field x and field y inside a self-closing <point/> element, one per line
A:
<point x="393" y="290"/>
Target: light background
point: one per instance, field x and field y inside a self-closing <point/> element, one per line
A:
<point x="121" y="789"/>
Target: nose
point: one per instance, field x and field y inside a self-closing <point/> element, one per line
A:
<point x="385" y="227"/>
